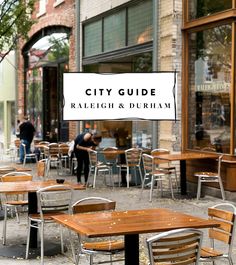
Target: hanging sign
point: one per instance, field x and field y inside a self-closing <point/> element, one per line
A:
<point x="130" y="96"/>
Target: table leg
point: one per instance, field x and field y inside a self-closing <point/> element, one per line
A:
<point x="32" y="208"/>
<point x="183" y="179"/>
<point x="132" y="249"/>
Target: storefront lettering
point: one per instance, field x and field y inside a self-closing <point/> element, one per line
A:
<point x="213" y="87"/>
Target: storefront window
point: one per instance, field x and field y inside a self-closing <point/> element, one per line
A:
<point x="140" y="23"/>
<point x="114" y="31"/>
<point x="201" y="8"/>
<point x="209" y="89"/>
<point x="129" y="26"/>
<point x="93" y="38"/>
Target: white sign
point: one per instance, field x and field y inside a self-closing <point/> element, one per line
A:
<point x="130" y="96"/>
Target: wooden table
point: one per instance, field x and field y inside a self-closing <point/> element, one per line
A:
<point x="31" y="187"/>
<point x="131" y="224"/>
<point x="182" y="157"/>
<point x="11" y="168"/>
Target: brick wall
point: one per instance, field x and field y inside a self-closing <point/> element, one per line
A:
<point x="62" y="14"/>
<point x="170" y="60"/>
<point x="91" y="8"/>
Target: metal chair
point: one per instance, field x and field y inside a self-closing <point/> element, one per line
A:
<point x="51" y="152"/>
<point x="96" y="166"/>
<point x="64" y="156"/>
<point x="52" y="200"/>
<point x="214" y="177"/>
<point x="41" y="146"/>
<point x="133" y="161"/>
<point x="224" y="213"/>
<point x="103" y="247"/>
<point x="179" y="246"/>
<point x="155" y="175"/>
<point x="42" y="168"/>
<point x="165" y="164"/>
<point x="111" y="160"/>
<point x="12" y="201"/>
<point x="28" y="156"/>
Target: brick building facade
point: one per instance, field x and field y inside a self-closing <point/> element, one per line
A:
<point x="56" y="14"/>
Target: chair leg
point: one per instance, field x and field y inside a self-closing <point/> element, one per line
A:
<point x="222" y="189"/>
<point x="94" y="177"/>
<point x="127" y="177"/>
<point x="42" y="243"/>
<point x="230" y="261"/>
<point x="171" y="187"/>
<point x="141" y="175"/>
<point x="72" y="247"/>
<point x="199" y="188"/>
<point x="151" y="189"/>
<point x="4" y="226"/>
<point x="91" y="259"/>
<point x="28" y="239"/>
<point x="17" y="215"/>
<point x="62" y="243"/>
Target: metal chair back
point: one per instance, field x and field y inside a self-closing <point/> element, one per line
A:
<point x="180" y="246"/>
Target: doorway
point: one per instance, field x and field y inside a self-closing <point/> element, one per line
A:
<point x="50" y="104"/>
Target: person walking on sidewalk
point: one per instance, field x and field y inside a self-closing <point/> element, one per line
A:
<point x="83" y="144"/>
<point x="27" y="132"/>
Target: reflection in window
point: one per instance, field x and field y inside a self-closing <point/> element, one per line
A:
<point x="34" y="99"/>
<point x="140" y="23"/>
<point x="201" y="8"/>
<point x="48" y="49"/>
<point x="209" y="88"/>
<point x="129" y="26"/>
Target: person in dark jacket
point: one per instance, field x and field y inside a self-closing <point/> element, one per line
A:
<point x="83" y="144"/>
<point x="27" y="132"/>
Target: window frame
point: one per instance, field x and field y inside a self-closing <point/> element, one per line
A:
<point x="214" y="20"/>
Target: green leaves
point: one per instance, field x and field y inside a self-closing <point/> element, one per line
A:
<point x="15" y="22"/>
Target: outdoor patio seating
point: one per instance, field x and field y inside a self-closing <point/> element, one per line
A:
<point x="213" y="177"/>
<point x="166" y="165"/>
<point x="107" y="246"/>
<point x="179" y="246"/>
<point x="155" y="176"/>
<point x="52" y="200"/>
<point x="133" y="162"/>
<point x="97" y="166"/>
<point x="12" y="201"/>
<point x="225" y="213"/>
<point x="29" y="157"/>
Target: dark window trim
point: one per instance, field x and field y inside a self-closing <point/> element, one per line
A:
<point x="118" y="54"/>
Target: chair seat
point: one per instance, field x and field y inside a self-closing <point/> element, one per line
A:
<point x="46" y="216"/>
<point x="210" y="252"/>
<point x="161" y="172"/>
<point x="16" y="203"/>
<point x="206" y="174"/>
<point x="110" y="245"/>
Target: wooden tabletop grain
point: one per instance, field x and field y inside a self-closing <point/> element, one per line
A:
<point x="33" y="186"/>
<point x="131" y="222"/>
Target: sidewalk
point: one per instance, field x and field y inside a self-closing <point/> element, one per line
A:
<point x="126" y="199"/>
